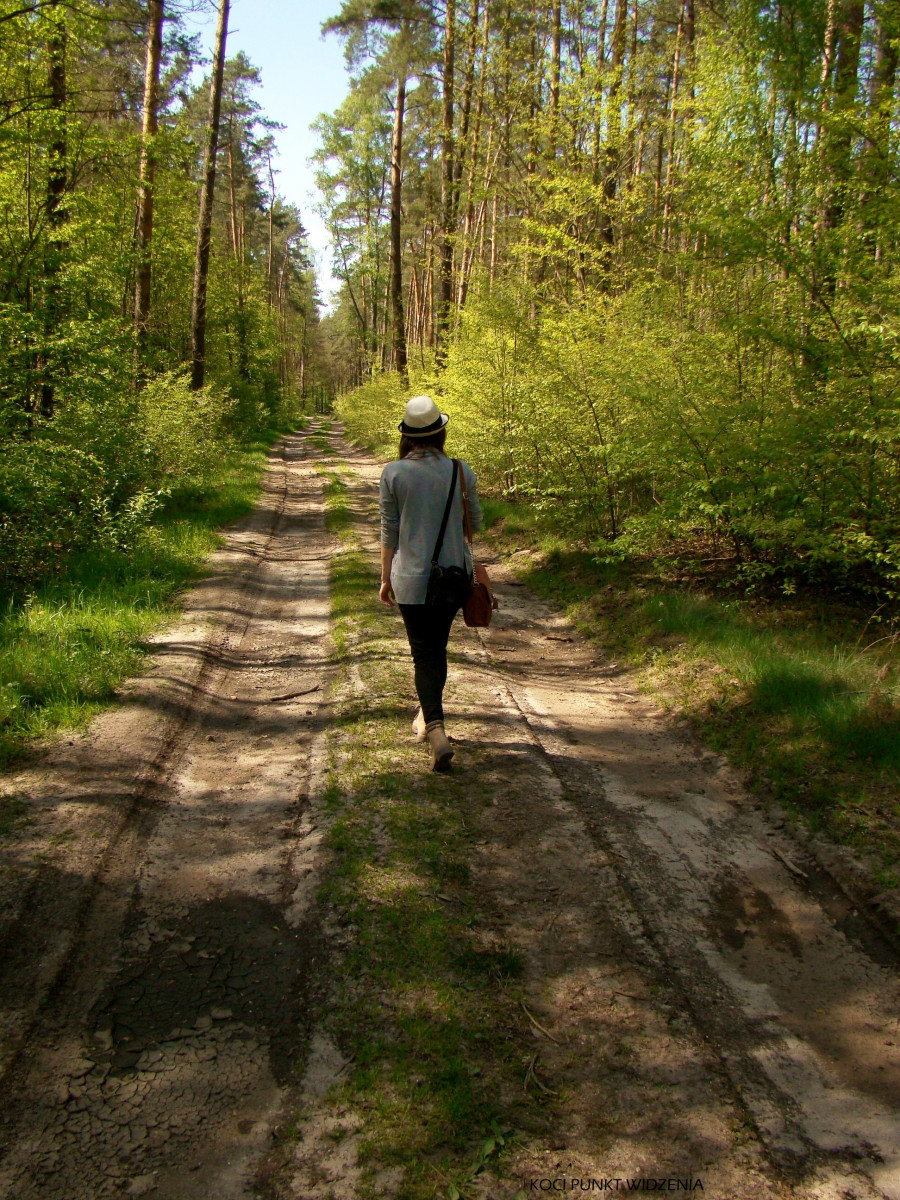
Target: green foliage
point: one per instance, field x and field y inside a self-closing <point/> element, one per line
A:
<point x="83" y="627"/>
<point x="673" y="315"/>
<point x="182" y="433"/>
<point x="52" y="505"/>
<point x="100" y="434"/>
<point x="371" y="413"/>
<point x="647" y="421"/>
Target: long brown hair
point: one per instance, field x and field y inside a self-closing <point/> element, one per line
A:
<point x="434" y="441"/>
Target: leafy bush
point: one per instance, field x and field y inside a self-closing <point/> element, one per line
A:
<point x="371" y="413"/>
<point x="647" y="425"/>
<point x="52" y="503"/>
<point x="180" y="432"/>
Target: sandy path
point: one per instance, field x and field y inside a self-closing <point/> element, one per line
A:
<point x="157" y="971"/>
<point x="700" y="976"/>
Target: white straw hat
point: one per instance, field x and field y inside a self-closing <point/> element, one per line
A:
<point x="422" y="417"/>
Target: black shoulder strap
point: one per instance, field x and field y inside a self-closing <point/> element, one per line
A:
<point x="440" y="536"/>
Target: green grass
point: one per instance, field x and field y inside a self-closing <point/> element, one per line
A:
<point x="801" y="691"/>
<point x="65" y="650"/>
<point x="13" y="815"/>
<point x="338" y="514"/>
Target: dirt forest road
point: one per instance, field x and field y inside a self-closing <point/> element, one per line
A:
<point x="695" y="997"/>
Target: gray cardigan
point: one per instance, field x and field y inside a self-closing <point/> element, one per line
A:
<point x="411" y="497"/>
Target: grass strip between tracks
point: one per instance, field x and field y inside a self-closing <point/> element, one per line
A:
<point x="69" y="646"/>
<point x="802" y="692"/>
<point x="427" y="1007"/>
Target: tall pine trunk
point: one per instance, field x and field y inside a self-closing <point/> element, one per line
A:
<point x="445" y="299"/>
<point x="398" y="319"/>
<point x="57" y="179"/>
<point x="613" y="124"/>
<point x="877" y="162"/>
<point x="144" y="231"/>
<point x="207" y="190"/>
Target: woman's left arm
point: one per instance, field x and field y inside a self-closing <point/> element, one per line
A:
<point x="475" y="516"/>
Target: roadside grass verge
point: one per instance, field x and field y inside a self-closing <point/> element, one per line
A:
<point x="65" y="650"/>
<point x="427" y="1007"/>
<point x="338" y="515"/>
<point x="801" y="692"/>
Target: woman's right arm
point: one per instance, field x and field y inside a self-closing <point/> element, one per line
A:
<point x="385" y="591"/>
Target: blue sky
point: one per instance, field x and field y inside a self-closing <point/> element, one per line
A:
<point x="303" y="75"/>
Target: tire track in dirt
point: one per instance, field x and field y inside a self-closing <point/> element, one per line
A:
<point x="89" y="911"/>
<point x="635" y="871"/>
<point x="165" y="1019"/>
<point x="804" y="1017"/>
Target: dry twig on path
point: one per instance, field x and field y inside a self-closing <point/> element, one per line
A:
<point x="539" y="1026"/>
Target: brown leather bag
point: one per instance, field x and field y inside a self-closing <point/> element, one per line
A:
<point x="479" y="608"/>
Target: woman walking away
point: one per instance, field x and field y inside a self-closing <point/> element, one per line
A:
<point x="421" y="501"/>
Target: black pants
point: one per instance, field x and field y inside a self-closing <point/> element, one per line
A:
<point x="428" y="628"/>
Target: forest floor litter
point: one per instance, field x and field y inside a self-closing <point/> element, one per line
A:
<point x="251" y="947"/>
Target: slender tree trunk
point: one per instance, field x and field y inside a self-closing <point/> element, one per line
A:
<point x="828" y="62"/>
<point x="412" y="310"/>
<point x="445" y="301"/>
<point x="877" y="161"/>
<point x="598" y="91"/>
<point x="556" y="45"/>
<point x="838" y="139"/>
<point x="271" y="223"/>
<point x="661" y="144"/>
<point x="232" y="190"/>
<point x="673" y="123"/>
<point x="207" y="189"/>
<point x="384" y="350"/>
<point x="57" y="181"/>
<point x="432" y="318"/>
<point x="462" y="149"/>
<point x="493" y="266"/>
<point x="399" y="322"/>
<point x="144" y="238"/>
<point x="632" y="89"/>
<point x="613" y="123"/>
<point x="468" y="247"/>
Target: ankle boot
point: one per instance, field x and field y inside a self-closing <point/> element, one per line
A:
<point x="441" y="750"/>
<point x="419" y="725"/>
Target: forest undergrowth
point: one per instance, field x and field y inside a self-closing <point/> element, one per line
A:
<point x="70" y="643"/>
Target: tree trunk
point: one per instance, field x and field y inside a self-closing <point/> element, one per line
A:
<point x="207" y="189"/>
<point x="144" y="233"/>
<point x="399" y="323"/>
<point x="673" y="120"/>
<point x="468" y="248"/>
<point x="556" y="44"/>
<point x="466" y="109"/>
<point x="877" y="162"/>
<point x="271" y="220"/>
<point x="838" y="139"/>
<point x="613" y="123"/>
<point x="598" y="91"/>
<point x="57" y="179"/>
<point x="445" y="299"/>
